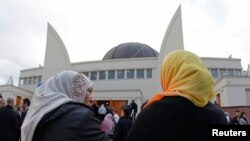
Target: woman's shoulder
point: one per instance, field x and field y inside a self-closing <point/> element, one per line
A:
<point x="77" y="109"/>
<point x="176" y="106"/>
<point x="70" y="110"/>
<point x="168" y="103"/>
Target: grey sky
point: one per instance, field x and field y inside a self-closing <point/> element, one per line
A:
<point x="212" y="28"/>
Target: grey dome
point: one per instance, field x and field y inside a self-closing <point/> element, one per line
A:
<point x="130" y="50"/>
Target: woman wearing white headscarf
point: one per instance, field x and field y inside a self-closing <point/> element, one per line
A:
<point x="60" y="111"/>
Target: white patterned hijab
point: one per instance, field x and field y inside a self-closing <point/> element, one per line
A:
<point x="59" y="89"/>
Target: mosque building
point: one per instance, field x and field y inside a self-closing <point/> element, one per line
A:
<point x="131" y="71"/>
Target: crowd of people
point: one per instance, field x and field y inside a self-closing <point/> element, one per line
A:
<point x="111" y="123"/>
<point x="239" y="118"/>
<point x="11" y="118"/>
<point x="62" y="109"/>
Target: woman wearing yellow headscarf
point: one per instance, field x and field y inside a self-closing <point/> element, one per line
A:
<point x="183" y="109"/>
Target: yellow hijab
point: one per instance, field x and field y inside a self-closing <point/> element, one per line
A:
<point x="184" y="74"/>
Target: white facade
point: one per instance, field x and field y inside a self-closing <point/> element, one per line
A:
<point x="138" y="88"/>
<point x="115" y="88"/>
<point x="15" y="92"/>
<point x="233" y="91"/>
<point x="220" y="67"/>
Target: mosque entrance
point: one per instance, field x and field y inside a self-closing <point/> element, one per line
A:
<point x="18" y="100"/>
<point x="114" y="104"/>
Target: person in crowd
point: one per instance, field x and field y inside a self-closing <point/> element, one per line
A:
<point x="109" y="109"/>
<point x="235" y="119"/>
<point x="243" y="119"/>
<point x="25" y="108"/>
<point x="9" y="122"/>
<point x="183" y="109"/>
<point x="115" y="117"/>
<point x="94" y="107"/>
<point x="108" y="125"/>
<point x="124" y="124"/>
<point x="19" y="111"/>
<point x="133" y="107"/>
<point x="2" y="101"/>
<point x="15" y="107"/>
<point x="102" y="111"/>
<point x="60" y="111"/>
<point x="227" y="117"/>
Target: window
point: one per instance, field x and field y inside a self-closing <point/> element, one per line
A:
<point x="39" y="79"/>
<point x="120" y="74"/>
<point x="248" y="96"/>
<point x="214" y="73"/>
<point x="30" y="80"/>
<point x="93" y="75"/>
<point x="21" y="81"/>
<point x="140" y="73"/>
<point x="238" y="72"/>
<point x="130" y="73"/>
<point x="35" y="79"/>
<point x="102" y="75"/>
<point x="223" y="72"/>
<point x="149" y="73"/>
<point x="230" y="72"/>
<point x="111" y="74"/>
<point x="25" y="81"/>
<point x="86" y="73"/>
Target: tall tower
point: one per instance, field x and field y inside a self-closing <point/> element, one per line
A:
<point x="56" y="55"/>
<point x="173" y="40"/>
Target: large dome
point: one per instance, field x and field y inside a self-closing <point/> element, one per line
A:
<point x="130" y="50"/>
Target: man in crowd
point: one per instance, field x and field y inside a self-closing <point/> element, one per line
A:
<point x="2" y="102"/>
<point x="124" y="124"/>
<point x="235" y="119"/>
<point x="25" y="107"/>
<point x="133" y="107"/>
<point x="9" y="122"/>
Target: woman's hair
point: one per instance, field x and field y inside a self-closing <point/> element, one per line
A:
<point x="241" y="115"/>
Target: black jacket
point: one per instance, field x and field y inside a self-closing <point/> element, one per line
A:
<point x="122" y="128"/>
<point x="70" y="122"/>
<point x="23" y="115"/>
<point x="9" y="124"/>
<point x="173" y="119"/>
<point x="235" y="120"/>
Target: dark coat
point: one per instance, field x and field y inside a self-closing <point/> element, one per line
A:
<point x="23" y="115"/>
<point x="122" y="128"/>
<point x="134" y="107"/>
<point x="175" y="118"/>
<point x="70" y="122"/>
<point x="9" y="124"/>
<point x="235" y="120"/>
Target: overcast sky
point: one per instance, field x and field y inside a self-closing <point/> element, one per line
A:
<point x="211" y="28"/>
